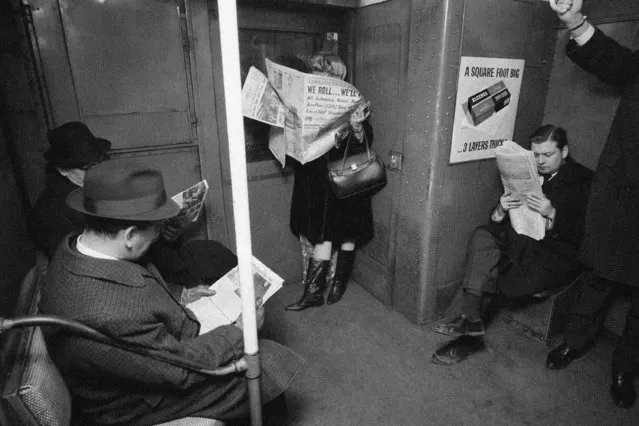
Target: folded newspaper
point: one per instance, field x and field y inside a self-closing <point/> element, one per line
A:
<point x="225" y="306"/>
<point x="305" y="111"/>
<point x="519" y="176"/>
<point x="191" y="201"/>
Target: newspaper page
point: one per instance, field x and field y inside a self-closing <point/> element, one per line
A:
<point x="191" y="201"/>
<point x="519" y="176"/>
<point x="260" y="102"/>
<point x="317" y="108"/>
<point x="225" y="306"/>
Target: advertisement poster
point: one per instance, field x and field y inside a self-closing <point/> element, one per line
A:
<point x="486" y="108"/>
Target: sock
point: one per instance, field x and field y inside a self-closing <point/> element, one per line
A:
<point x="471" y="306"/>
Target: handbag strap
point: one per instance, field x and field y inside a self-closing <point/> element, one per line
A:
<point x="348" y="142"/>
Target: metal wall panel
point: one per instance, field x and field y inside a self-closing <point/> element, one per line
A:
<point x="127" y="61"/>
<point x="381" y="46"/>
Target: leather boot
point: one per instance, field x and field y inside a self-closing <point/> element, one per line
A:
<point x="314" y="286"/>
<point x="343" y="271"/>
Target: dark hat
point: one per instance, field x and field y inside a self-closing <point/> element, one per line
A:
<point x="123" y="189"/>
<point x="73" y="145"/>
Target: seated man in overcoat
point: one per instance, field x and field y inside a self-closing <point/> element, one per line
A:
<point x="99" y="277"/>
<point x="501" y="262"/>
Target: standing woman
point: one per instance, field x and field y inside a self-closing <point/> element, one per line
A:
<point x="324" y="220"/>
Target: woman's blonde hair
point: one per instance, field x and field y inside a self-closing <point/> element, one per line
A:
<point x="328" y="63"/>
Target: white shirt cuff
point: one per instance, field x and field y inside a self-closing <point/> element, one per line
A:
<point x="586" y="36"/>
<point x="497" y="215"/>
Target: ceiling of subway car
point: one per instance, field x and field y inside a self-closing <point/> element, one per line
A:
<point x="347" y="4"/>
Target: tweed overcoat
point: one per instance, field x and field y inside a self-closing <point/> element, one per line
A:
<point x="317" y="214"/>
<point x="611" y="235"/>
<point x="129" y="301"/>
<point x="529" y="265"/>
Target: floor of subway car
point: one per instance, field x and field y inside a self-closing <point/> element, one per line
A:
<point x="368" y="365"/>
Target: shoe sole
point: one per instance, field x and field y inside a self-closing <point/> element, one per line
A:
<point x="618" y="402"/>
<point x="441" y="361"/>
<point x="472" y="333"/>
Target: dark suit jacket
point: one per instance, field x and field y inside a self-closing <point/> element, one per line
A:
<point x="531" y="265"/>
<point x="611" y="236"/>
<point x="132" y="302"/>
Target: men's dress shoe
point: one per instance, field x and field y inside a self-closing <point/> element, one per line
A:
<point x="461" y="326"/>
<point x="623" y="390"/>
<point x="561" y="357"/>
<point x="458" y="350"/>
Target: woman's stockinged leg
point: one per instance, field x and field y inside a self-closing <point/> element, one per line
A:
<point x="345" y="260"/>
<point x="315" y="278"/>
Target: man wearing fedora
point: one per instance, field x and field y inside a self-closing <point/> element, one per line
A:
<point x="74" y="149"/>
<point x="100" y="278"/>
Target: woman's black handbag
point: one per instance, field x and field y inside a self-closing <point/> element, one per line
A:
<point x="358" y="173"/>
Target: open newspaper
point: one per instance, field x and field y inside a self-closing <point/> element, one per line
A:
<point x="519" y="175"/>
<point x="191" y="201"/>
<point x="306" y="113"/>
<point x="225" y="306"/>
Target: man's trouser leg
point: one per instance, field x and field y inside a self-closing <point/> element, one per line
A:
<point x="625" y="358"/>
<point x="482" y="255"/>
<point x="588" y="311"/>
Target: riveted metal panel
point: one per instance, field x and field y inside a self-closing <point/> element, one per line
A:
<point x="127" y="61"/>
<point x="381" y="45"/>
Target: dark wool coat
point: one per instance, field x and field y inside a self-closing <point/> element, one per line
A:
<point x="129" y="301"/>
<point x="530" y="266"/>
<point x="317" y="214"/>
<point x="611" y="236"/>
<point x="51" y="218"/>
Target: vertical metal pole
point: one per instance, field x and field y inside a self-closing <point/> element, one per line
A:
<point x="235" y="127"/>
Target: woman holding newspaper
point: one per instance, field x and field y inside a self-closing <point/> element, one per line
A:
<point x="320" y="218"/>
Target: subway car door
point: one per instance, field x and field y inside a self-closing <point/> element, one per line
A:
<point x="380" y="44"/>
<point x="127" y="69"/>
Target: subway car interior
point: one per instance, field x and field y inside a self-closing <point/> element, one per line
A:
<point x="148" y="76"/>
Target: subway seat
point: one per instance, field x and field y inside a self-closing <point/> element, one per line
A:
<point x="34" y="391"/>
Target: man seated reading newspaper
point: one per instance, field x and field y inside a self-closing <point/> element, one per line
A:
<point x="500" y="262"/>
<point x="100" y="277"/>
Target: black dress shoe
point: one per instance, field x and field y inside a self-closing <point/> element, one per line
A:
<point x="623" y="390"/>
<point x="561" y="357"/>
<point x="458" y="350"/>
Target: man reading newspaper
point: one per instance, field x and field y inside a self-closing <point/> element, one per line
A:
<point x="501" y="261"/>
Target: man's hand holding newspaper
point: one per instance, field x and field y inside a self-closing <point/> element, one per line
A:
<point x="523" y="198"/>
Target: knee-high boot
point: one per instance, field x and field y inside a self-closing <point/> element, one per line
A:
<point x="314" y="286"/>
<point x="343" y="271"/>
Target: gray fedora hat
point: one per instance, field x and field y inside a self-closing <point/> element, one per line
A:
<point x="125" y="190"/>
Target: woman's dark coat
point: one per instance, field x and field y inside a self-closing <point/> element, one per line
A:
<point x="611" y="236"/>
<point x="317" y="214"/>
